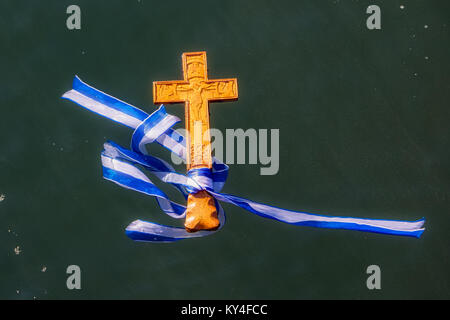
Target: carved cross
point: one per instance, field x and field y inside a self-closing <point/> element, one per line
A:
<point x="196" y="91"/>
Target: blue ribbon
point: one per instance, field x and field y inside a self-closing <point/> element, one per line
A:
<point x="122" y="166"/>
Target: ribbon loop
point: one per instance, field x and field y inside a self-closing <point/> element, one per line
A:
<point x="151" y="129"/>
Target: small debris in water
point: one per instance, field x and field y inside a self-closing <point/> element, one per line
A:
<point x="44" y="268"/>
<point x="17" y="291"/>
<point x="2" y="197"/>
<point x="402" y="7"/>
<point x="17" y="250"/>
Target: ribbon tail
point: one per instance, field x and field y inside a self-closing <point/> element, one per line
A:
<point x="145" y="231"/>
<point x="391" y="227"/>
<point x="105" y="105"/>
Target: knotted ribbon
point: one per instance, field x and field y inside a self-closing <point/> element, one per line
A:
<point x="120" y="165"/>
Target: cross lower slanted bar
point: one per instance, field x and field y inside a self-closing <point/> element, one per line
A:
<point x="196" y="91"/>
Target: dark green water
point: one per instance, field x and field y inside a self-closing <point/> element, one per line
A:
<point x="363" y="118"/>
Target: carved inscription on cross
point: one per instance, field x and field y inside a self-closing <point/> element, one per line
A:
<point x="196" y="91"/>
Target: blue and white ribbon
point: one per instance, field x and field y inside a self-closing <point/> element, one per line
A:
<point x="122" y="166"/>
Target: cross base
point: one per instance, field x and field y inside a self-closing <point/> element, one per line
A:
<point x="201" y="212"/>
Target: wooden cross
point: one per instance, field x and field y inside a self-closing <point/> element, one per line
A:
<point x="196" y="91"/>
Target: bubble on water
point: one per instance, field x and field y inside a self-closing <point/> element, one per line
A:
<point x="17" y="250"/>
<point x="402" y="7"/>
<point x="425" y="26"/>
